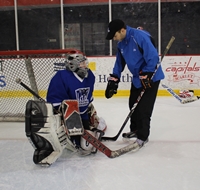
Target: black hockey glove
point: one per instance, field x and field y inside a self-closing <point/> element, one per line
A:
<point x="112" y="86"/>
<point x="145" y="78"/>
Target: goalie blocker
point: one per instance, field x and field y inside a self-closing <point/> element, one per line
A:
<point x="74" y="126"/>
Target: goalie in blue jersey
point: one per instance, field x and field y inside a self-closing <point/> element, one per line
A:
<point x="59" y="123"/>
<point x="71" y="92"/>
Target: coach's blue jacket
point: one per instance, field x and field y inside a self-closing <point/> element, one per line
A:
<point x="137" y="51"/>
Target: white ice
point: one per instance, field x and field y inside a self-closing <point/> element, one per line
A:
<point x="170" y="161"/>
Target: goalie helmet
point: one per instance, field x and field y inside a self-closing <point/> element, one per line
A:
<point x="77" y="63"/>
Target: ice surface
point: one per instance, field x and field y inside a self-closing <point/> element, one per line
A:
<point x="170" y="161"/>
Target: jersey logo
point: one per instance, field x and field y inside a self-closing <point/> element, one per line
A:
<point x="82" y="96"/>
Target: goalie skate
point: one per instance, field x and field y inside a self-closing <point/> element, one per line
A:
<point x="71" y="117"/>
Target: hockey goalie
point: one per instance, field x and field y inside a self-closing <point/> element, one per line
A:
<point x="51" y="127"/>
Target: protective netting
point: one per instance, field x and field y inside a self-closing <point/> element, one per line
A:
<point x="35" y="69"/>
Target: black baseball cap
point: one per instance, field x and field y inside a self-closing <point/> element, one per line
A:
<point x="113" y="27"/>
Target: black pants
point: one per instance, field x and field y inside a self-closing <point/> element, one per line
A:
<point x="141" y="117"/>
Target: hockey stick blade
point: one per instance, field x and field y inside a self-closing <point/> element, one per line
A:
<point x="139" y="97"/>
<point x="105" y="150"/>
<point x="126" y="120"/>
<point x="88" y="137"/>
<point x="192" y="99"/>
<point x="172" y="92"/>
<point x="182" y="101"/>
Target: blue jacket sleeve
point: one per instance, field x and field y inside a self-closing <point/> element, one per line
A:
<point x="150" y="53"/>
<point x="119" y="64"/>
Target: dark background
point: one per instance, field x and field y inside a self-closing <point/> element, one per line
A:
<point x="37" y="25"/>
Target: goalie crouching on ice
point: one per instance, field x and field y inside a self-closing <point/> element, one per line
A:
<point x="68" y="112"/>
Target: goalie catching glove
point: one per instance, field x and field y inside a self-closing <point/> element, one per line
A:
<point x="145" y="78"/>
<point x="112" y="86"/>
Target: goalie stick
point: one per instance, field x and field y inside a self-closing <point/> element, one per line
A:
<point x="182" y="101"/>
<point x="18" y="80"/>
<point x="140" y="96"/>
<point x="90" y="138"/>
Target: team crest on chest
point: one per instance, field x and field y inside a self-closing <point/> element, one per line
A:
<point x="82" y="96"/>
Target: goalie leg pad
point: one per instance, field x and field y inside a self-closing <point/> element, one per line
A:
<point x="44" y="131"/>
<point x="71" y="116"/>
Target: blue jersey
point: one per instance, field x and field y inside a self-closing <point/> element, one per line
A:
<point x="66" y="85"/>
<point x="139" y="54"/>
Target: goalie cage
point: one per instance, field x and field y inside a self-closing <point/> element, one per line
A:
<point x="36" y="67"/>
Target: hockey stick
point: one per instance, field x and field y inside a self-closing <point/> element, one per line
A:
<point x="91" y="139"/>
<point x="140" y="96"/>
<point x="182" y="101"/>
<point x="18" y="80"/>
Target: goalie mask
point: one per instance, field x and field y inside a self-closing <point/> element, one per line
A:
<point x="77" y="63"/>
